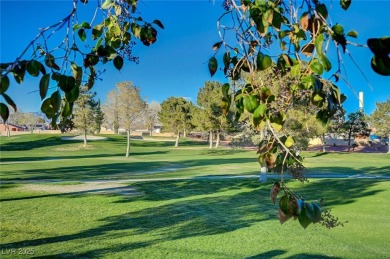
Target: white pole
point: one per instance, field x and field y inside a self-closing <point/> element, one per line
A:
<point x="361" y="101"/>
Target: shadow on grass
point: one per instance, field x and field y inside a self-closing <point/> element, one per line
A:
<point x="29" y="142"/>
<point x="367" y="170"/>
<point x="190" y="213"/>
<point x="194" y="208"/>
<point x="72" y="156"/>
<point x="124" y="169"/>
<point x="278" y="253"/>
<point x="338" y="191"/>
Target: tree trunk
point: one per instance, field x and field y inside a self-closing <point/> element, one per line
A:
<point x="388" y="145"/>
<point x="8" y="131"/>
<point x="85" y="138"/>
<point x="128" y="144"/>
<point x="151" y="132"/>
<point x="185" y="133"/>
<point x="349" y="139"/>
<point x="177" y="139"/>
<point x="218" y="139"/>
<point x="323" y="143"/>
<point x="211" y="139"/>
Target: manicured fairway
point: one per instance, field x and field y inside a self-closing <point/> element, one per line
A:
<point x="188" y="218"/>
<point x="42" y="156"/>
<point x="195" y="219"/>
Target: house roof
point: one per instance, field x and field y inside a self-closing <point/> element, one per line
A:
<point x="16" y="126"/>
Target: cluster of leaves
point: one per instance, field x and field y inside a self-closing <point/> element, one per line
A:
<point x="380" y="63"/>
<point x="285" y="40"/>
<point x="73" y="62"/>
<point x="281" y="157"/>
<point x="291" y="206"/>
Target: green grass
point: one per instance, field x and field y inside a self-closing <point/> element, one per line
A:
<point x="189" y="218"/>
<point x="196" y="219"/>
<point x="348" y="163"/>
<point x="40" y="156"/>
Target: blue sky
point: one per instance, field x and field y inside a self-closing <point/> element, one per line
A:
<point x="176" y="65"/>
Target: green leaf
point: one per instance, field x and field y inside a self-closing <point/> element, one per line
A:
<point x="67" y="110"/>
<point x="44" y="85"/>
<point x="97" y="31"/>
<point x="321" y="8"/>
<point x="310" y="211"/>
<point x="72" y="95"/>
<point x="33" y="68"/>
<point x="82" y="34"/>
<point x="284" y="204"/>
<point x="55" y="100"/>
<point x="66" y="83"/>
<point x="213" y="65"/>
<point x="277" y="20"/>
<point x="115" y="43"/>
<point x="41" y="68"/>
<point x="381" y="65"/>
<point x="9" y="101"/>
<point x="50" y="62"/>
<point x="159" y="24"/>
<point x="260" y="111"/>
<point x="91" y="60"/>
<point x="303" y="218"/>
<point x="107" y="4"/>
<point x="345" y="4"/>
<point x="4" y="112"/>
<point x="277" y="126"/>
<point x="318" y="43"/>
<point x="86" y="25"/>
<point x="47" y="108"/>
<point x="343" y="98"/>
<point x="289" y="142"/>
<point x="338" y="29"/>
<point x="316" y="213"/>
<point x="317" y="98"/>
<point x="225" y="105"/>
<point x="300" y="205"/>
<point x="265" y="92"/>
<point x="380" y="47"/>
<point x="296" y="70"/>
<point x="263" y="61"/>
<point x="77" y="73"/>
<point x="4" y="84"/>
<point x="353" y="34"/>
<point x="225" y="90"/>
<point x="136" y="30"/>
<point x="251" y="102"/>
<point x="126" y="38"/>
<point x="325" y="62"/>
<point x="316" y="67"/>
<point x="335" y="94"/>
<point x="19" y="72"/>
<point x="118" y="62"/>
<point x="126" y="26"/>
